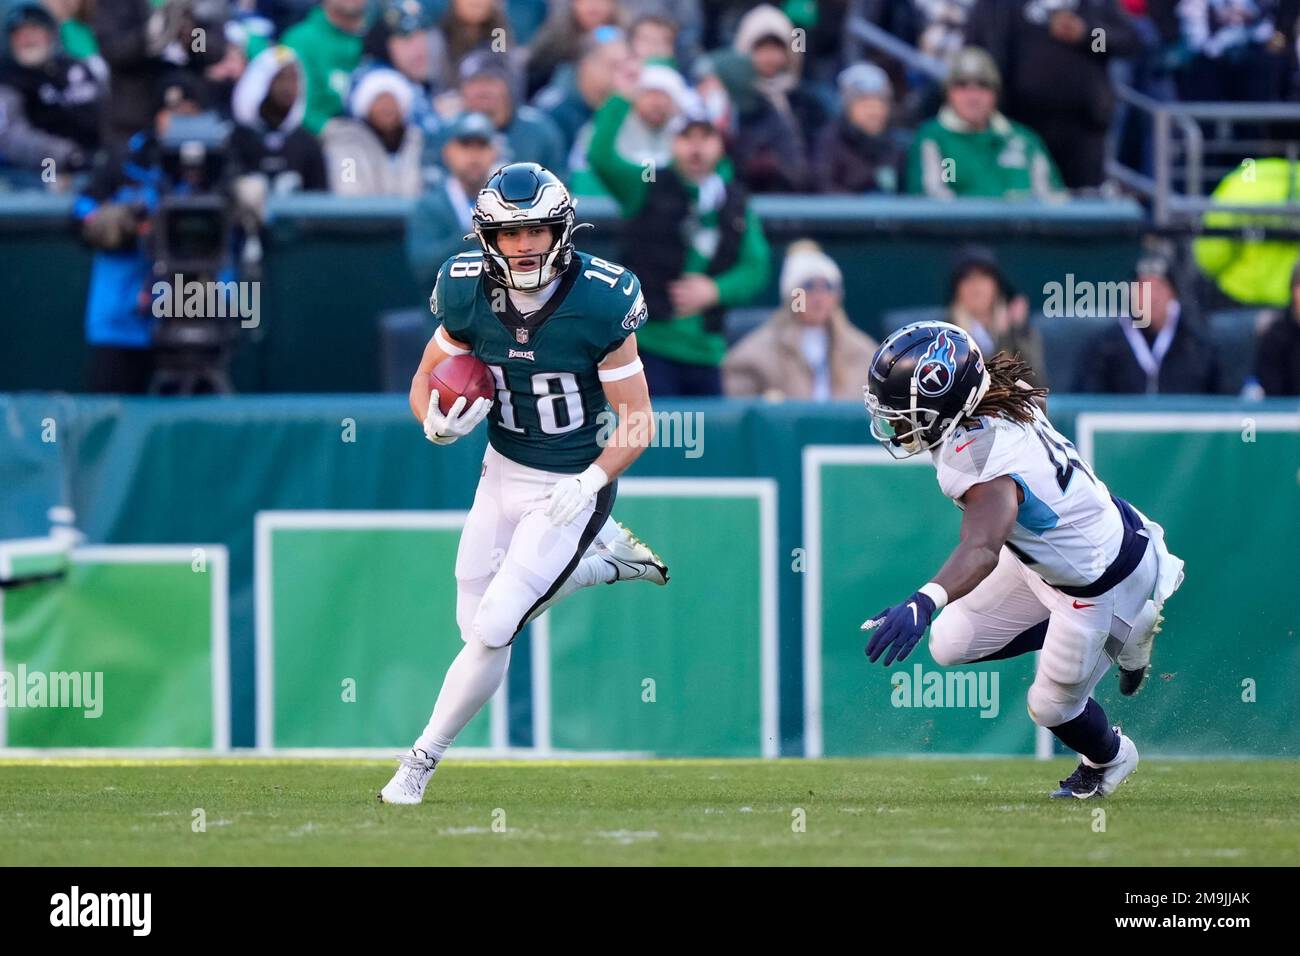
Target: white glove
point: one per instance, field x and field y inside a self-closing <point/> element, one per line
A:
<point x="444" y="429"/>
<point x="571" y="496"/>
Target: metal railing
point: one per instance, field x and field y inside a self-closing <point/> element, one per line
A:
<point x="1181" y="160"/>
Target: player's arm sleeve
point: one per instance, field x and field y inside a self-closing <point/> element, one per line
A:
<point x="746" y="279"/>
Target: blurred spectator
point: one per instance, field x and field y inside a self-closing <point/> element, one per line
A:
<point x="653" y="36"/>
<point x="668" y="30"/>
<point x="1251" y="267"/>
<point x="469" y="26"/>
<point x="141" y="42"/>
<point x="808" y="349"/>
<point x="1165" y="355"/>
<point x="941" y="27"/>
<point x="441" y="219"/>
<point x="268" y="139"/>
<point x="244" y="39"/>
<point x="824" y="27"/>
<point x="49" y="102"/>
<point x="1237" y="47"/>
<point x="970" y="149"/>
<point x="776" y="119"/>
<point x="402" y="39"/>
<point x="114" y="211"/>
<point x="1055" y="59"/>
<point x="692" y="239"/>
<point x="486" y="86"/>
<point x="75" y="34"/>
<point x="561" y="37"/>
<point x="376" y="151"/>
<point x="1277" y="350"/>
<point x="858" y="152"/>
<point x="982" y="301"/>
<point x="639" y="131"/>
<point x="574" y="95"/>
<point x="328" y="42"/>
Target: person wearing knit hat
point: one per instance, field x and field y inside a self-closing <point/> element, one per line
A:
<point x="377" y="150"/>
<point x="971" y="149"/>
<point x="982" y="301"/>
<point x="859" y="152"/>
<point x="808" y="350"/>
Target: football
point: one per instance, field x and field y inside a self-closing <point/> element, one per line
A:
<point x="461" y="375"/>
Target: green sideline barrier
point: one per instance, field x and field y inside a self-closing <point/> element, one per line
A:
<point x="850" y="534"/>
<point x="125" y="646"/>
<point x="333" y="265"/>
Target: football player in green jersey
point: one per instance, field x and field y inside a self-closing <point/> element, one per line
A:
<point x="556" y="327"/>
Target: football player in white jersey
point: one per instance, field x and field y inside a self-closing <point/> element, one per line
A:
<point x="1047" y="560"/>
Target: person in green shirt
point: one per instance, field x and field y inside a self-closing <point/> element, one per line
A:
<point x="328" y="42"/>
<point x="692" y="238"/>
<point x="971" y="149"/>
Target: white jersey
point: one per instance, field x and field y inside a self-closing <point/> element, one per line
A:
<point x="1067" y="529"/>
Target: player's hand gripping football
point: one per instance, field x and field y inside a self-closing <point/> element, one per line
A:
<point x="898" y="628"/>
<point x="444" y="429"/>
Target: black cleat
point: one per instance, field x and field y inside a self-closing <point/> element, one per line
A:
<point x="1085" y="782"/>
<point x="1131" y="681"/>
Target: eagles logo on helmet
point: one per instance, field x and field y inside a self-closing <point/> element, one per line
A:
<point x="925" y="378"/>
<point x="524" y="194"/>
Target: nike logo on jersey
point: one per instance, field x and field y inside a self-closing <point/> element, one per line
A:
<point x="1079" y="607"/>
<point x="627" y="290"/>
<point x="965" y="446"/>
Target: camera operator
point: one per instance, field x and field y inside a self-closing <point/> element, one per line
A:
<point x="157" y="208"/>
<point x="142" y="42"/>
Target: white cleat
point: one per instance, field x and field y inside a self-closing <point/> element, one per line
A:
<point x="632" y="560"/>
<point x="1089" y="782"/>
<point x="413" y="773"/>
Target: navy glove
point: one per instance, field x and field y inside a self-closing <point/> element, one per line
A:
<point x="898" y="628"/>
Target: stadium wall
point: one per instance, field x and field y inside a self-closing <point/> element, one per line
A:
<point x="336" y="524"/>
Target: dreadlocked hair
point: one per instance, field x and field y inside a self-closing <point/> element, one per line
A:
<point x="1010" y="394"/>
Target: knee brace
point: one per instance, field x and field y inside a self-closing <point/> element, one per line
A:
<point x="1051" y="704"/>
<point x="950" y="636"/>
<point x="496" y="621"/>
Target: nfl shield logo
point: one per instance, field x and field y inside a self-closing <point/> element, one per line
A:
<point x="521" y="336"/>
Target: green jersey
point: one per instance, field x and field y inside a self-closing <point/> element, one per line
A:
<point x="550" y="408"/>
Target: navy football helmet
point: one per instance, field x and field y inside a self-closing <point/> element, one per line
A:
<point x="924" y="379"/>
<point x="524" y="194"/>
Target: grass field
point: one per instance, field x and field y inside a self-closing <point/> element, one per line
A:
<point x="916" y="812"/>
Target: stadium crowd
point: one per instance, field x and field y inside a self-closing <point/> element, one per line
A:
<point x="678" y="110"/>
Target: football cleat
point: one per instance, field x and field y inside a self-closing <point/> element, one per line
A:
<point x="632" y="560"/>
<point x="1134" y="659"/>
<point x="1088" y="782"/>
<point x="413" y="773"/>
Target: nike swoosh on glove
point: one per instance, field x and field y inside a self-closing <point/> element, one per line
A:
<point x="444" y="429"/>
<point x="898" y="628"/>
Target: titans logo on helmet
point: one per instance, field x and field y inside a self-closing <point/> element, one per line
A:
<point x="937" y="368"/>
